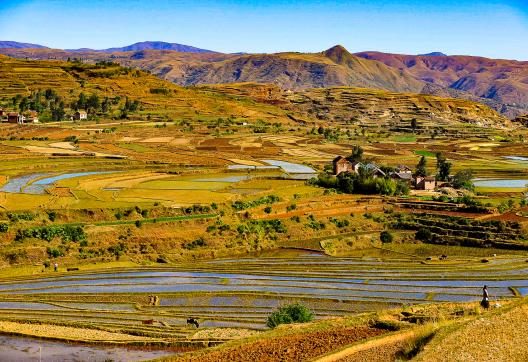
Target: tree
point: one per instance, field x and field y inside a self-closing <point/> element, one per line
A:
<point x="443" y="167"/>
<point x="92" y="103"/>
<point x="463" y="180"/>
<point x="106" y="105"/>
<point x="24" y="104"/>
<point x="421" y="167"/>
<point x="81" y="102"/>
<point x="58" y="112"/>
<point x="357" y="154"/>
<point x="414" y="124"/>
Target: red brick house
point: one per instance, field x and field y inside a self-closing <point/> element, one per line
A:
<point x="341" y="164"/>
<point x="14" y="117"/>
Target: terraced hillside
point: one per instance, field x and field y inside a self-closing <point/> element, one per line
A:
<point x="334" y="67"/>
<point x="162" y="100"/>
<point x="159" y="98"/>
<point x="499" y="80"/>
<point x="498" y="83"/>
<point x="372" y="107"/>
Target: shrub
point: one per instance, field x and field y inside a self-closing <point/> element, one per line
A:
<point x="291" y="207"/>
<point x="386" y="237"/>
<point x="54" y="252"/>
<point x="267" y="209"/>
<point x="195" y="244"/>
<point x="424" y="234"/>
<point x="48" y="233"/>
<point x="293" y="313"/>
<point x="340" y="223"/>
<point x="4" y="228"/>
<point x="52" y="216"/>
<point x="241" y="205"/>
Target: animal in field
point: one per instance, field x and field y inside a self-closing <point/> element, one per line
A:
<point x="193" y="322"/>
<point x="148" y="321"/>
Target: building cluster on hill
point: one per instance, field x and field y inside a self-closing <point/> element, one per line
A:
<point x="33" y="117"/>
<point x="17" y="117"/>
<point x="400" y="173"/>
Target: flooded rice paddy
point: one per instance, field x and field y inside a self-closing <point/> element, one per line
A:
<point x="20" y="349"/>
<point x="36" y="184"/>
<point x="291" y="169"/>
<point x="242" y="292"/>
<point x="506" y="183"/>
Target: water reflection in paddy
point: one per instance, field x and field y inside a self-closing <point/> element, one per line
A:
<point x="22" y="349"/>
<point x="304" y="274"/>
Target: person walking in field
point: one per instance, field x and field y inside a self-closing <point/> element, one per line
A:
<point x="56" y="267"/>
<point x="485" y="297"/>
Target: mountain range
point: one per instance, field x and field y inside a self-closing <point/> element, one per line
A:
<point x="500" y="84"/>
<point x="145" y="45"/>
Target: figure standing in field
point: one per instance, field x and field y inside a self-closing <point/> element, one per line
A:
<point x="56" y="267"/>
<point x="485" y="297"/>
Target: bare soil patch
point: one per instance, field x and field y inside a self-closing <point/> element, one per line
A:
<point x="301" y="347"/>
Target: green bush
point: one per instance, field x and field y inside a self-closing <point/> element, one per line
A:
<point x="424" y="234"/>
<point x="386" y="237"/>
<point x="54" y="252"/>
<point x="195" y="244"/>
<point x="48" y="233"/>
<point x="293" y="313"/>
<point x="52" y="216"/>
<point x="4" y="228"/>
<point x="242" y="205"/>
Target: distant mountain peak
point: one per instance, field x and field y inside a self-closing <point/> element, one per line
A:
<point x="433" y="54"/>
<point x="337" y="53"/>
<point x="336" y="49"/>
<point x="17" y="45"/>
<point x="158" y="45"/>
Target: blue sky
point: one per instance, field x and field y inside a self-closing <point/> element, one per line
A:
<point x="493" y="28"/>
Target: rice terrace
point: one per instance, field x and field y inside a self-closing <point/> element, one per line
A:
<point x="164" y="202"/>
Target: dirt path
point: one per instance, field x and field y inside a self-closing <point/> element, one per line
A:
<point x="294" y="348"/>
<point x="490" y="337"/>
<point x="378" y="349"/>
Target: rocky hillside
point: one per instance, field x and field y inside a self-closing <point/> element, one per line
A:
<point x="503" y="82"/>
<point x="159" y="99"/>
<point x="153" y="45"/>
<point x="334" y="67"/>
<point x="371" y="107"/>
<point x="500" y="84"/>
<point x="258" y="101"/>
<point x="17" y="45"/>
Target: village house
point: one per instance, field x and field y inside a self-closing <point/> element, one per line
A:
<point x="80" y="115"/>
<point x="341" y="164"/>
<point x="374" y="170"/>
<point x="15" y="117"/>
<point x="31" y="117"/>
<point x="402" y="169"/>
<point x="426" y="183"/>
